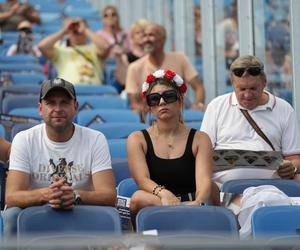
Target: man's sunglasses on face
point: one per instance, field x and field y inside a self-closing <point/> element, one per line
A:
<point x="169" y="96"/>
<point x="253" y="71"/>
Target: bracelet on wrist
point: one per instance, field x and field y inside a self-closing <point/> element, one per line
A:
<point x="157" y="189"/>
<point x="160" y="189"/>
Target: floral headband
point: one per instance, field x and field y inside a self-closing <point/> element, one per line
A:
<point x="164" y="74"/>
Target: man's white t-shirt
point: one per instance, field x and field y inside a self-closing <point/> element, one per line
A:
<point x="84" y="154"/>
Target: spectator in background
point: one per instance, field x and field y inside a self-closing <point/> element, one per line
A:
<point x="13" y="12"/>
<point x="113" y="33"/>
<point x="198" y="30"/>
<point x="137" y="32"/>
<point x="154" y="41"/>
<point x="227" y="34"/>
<point x="58" y="162"/>
<point x="4" y="150"/>
<point x="25" y="42"/>
<point x="79" y="62"/>
<point x="278" y="58"/>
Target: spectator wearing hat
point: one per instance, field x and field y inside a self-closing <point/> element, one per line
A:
<point x="58" y="162"/>
<point x="12" y="12"/>
<point x="25" y="42"/>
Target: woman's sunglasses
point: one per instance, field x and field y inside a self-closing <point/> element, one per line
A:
<point x="169" y="96"/>
<point x="112" y="15"/>
<point x="253" y="71"/>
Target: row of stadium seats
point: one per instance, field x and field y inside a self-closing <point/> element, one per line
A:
<point x="206" y="222"/>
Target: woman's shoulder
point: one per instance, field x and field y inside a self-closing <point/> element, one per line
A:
<point x="136" y="135"/>
<point x="201" y="137"/>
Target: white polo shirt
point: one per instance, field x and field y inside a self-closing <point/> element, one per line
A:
<point x="229" y="129"/>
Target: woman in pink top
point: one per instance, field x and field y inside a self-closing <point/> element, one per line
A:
<point x="112" y="31"/>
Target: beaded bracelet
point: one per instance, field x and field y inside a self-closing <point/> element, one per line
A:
<point x="154" y="189"/>
<point x="161" y="188"/>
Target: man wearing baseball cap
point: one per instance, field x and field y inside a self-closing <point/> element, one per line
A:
<point x="58" y="162"/>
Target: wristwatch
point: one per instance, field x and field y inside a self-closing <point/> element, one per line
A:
<point x="77" y="198"/>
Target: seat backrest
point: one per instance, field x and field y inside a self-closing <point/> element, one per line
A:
<point x="289" y="187"/>
<point x="20" y="127"/>
<point x="275" y="221"/>
<point x="27" y="78"/>
<point x="19" y="101"/>
<point x="2" y="131"/>
<point x="120" y="169"/>
<point x="95" y="90"/>
<point x="88" y="117"/>
<point x="17" y="90"/>
<point x="18" y="59"/>
<point x="192" y="115"/>
<point x="117" y="148"/>
<point x="44" y="220"/>
<point x="170" y="220"/>
<point x="127" y="187"/>
<point x="101" y="102"/>
<point x="21" y="67"/>
<point x="26" y="112"/>
<point x="118" y="130"/>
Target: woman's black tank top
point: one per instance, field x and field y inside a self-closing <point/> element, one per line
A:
<point x="177" y="175"/>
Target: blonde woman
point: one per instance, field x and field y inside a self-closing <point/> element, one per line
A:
<point x="170" y="162"/>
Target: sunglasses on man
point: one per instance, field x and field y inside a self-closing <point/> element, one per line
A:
<point x="169" y="96"/>
<point x="253" y="71"/>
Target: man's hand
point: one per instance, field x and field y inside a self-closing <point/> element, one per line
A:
<point x="56" y="193"/>
<point x="67" y="198"/>
<point x="286" y="170"/>
<point x="61" y="194"/>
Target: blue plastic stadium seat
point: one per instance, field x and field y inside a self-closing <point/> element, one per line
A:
<point x="289" y="187"/>
<point x="17" y="101"/>
<point x="188" y="220"/>
<point x="120" y="169"/>
<point x="117" y="148"/>
<point x="95" y="116"/>
<point x="127" y="187"/>
<point x="118" y="130"/>
<point x="81" y="220"/>
<point x="276" y="221"/>
<point x="27" y="78"/>
<point x="101" y="102"/>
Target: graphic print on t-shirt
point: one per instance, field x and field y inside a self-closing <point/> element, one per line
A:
<point x="61" y="170"/>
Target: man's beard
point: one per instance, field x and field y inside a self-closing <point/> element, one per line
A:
<point x="148" y="48"/>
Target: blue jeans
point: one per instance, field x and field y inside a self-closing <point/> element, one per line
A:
<point x="10" y="218"/>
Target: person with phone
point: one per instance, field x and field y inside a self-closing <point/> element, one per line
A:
<point x="170" y="162"/>
<point x="81" y="61"/>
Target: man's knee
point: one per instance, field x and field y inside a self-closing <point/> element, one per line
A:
<point x="10" y="217"/>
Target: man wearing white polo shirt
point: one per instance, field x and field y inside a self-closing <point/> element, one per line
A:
<point x="228" y="128"/>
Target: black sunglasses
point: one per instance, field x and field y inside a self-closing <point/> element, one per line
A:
<point x="253" y="71"/>
<point x="169" y="96"/>
<point x="112" y="15"/>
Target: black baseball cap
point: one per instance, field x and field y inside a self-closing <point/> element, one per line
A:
<point x="57" y="83"/>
